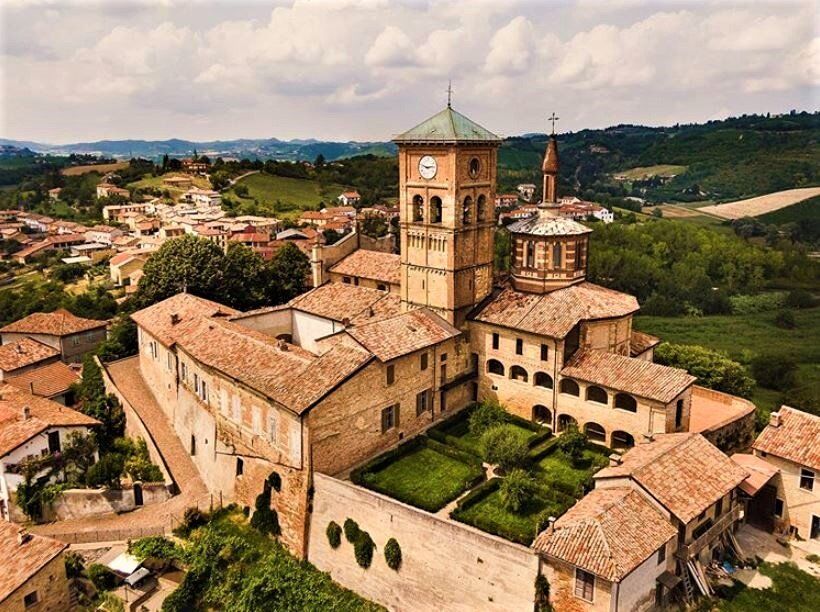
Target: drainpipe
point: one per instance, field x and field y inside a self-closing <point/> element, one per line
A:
<point x="555" y="389"/>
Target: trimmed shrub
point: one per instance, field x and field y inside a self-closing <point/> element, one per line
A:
<point x="392" y="554"/>
<point x="785" y="320"/>
<point x="505" y="446"/>
<point x="572" y="442"/>
<point x="352" y="531"/>
<point x="800" y="298"/>
<point x="775" y="371"/>
<point x="334" y="534"/>
<point x="517" y="489"/>
<point x="363" y="549"/>
<point x="485" y="416"/>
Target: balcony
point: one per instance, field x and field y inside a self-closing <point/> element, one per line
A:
<point x="687" y="551"/>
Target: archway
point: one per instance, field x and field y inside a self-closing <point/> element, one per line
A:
<point x="595" y="432"/>
<point x="542" y="414"/>
<point x="482" y="208"/>
<point x="542" y="379"/>
<point x="418" y="208"/>
<point x="597" y="395"/>
<point x="624" y="401"/>
<point x="435" y="209"/>
<point x="570" y="387"/>
<point x="495" y="367"/>
<point x="565" y="420"/>
<point x="519" y="373"/>
<point x="467" y="212"/>
<point x="622" y="440"/>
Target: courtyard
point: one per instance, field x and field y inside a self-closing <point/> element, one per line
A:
<point x="443" y="472"/>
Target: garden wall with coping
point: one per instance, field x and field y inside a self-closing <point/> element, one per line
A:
<point x="445" y="565"/>
<point x="83" y="503"/>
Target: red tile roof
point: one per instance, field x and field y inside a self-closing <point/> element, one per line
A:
<point x="637" y="376"/>
<point x="340" y="301"/>
<point x="684" y="472"/>
<point x="46" y="381"/>
<point x="58" y="323"/>
<point x="162" y="320"/>
<point x="760" y="472"/>
<point x="554" y="314"/>
<point x="43" y="414"/>
<point x="25" y="352"/>
<point x="403" y="334"/>
<point x="640" y="342"/>
<point x="797" y="438"/>
<point x="711" y="410"/>
<point x="374" y="265"/>
<point x="609" y="532"/>
<point x="22" y="561"/>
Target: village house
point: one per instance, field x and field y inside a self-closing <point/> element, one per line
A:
<point x="370" y="269"/>
<point x="202" y="197"/>
<point x="34" y="575"/>
<point x="51" y="243"/>
<point x="575" y="208"/>
<point x="30" y="427"/>
<point x="108" y="190"/>
<point x="54" y="193"/>
<point x="123" y="265"/>
<point x="36" y="367"/>
<point x="524" y="211"/>
<point x="73" y="336"/>
<point x="114" y="212"/>
<point x="179" y="182"/>
<point x="506" y="200"/>
<point x="195" y="165"/>
<point x="349" y="198"/>
<point x="38" y="223"/>
<point x="103" y="234"/>
<point x="526" y="191"/>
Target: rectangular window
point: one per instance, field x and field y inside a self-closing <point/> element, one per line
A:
<point x="170" y="361"/>
<point x="495" y="341"/>
<point x="184" y="371"/>
<point x="390" y="418"/>
<point x="443" y="357"/>
<point x="423" y="364"/>
<point x="584" y="584"/>
<point x="778" y="507"/>
<point x="424" y="402"/>
<point x="204" y="391"/>
<point x="806" y="479"/>
<point x="719" y="507"/>
<point x="545" y="352"/>
<point x="391" y="374"/>
<point x="519" y="346"/>
<point x="30" y="599"/>
<point x="662" y="554"/>
<point x="272" y="427"/>
<point x="256" y="420"/>
<point x="443" y="373"/>
<point x="236" y="409"/>
<point x="240" y="466"/>
<point x="75" y="340"/>
<point x="346" y="280"/>
<point x="196" y="383"/>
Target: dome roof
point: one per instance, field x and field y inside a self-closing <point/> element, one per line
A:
<point x="545" y="224"/>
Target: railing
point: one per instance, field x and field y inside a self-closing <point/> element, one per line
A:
<point x="687" y="551"/>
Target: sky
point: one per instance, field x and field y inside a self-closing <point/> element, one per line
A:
<point x="73" y="70"/>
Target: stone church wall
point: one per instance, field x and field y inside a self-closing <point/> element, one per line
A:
<point x="445" y="565"/>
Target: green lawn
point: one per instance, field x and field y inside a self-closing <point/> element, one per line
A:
<point x="557" y="467"/>
<point x="283" y="196"/>
<point x="423" y="477"/>
<point x="459" y="429"/>
<point x="792" y="590"/>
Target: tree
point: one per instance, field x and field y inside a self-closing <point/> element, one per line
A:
<point x="189" y="264"/>
<point x="775" y="371"/>
<point x="332" y="236"/>
<point x="572" y="442"/>
<point x="712" y="368"/>
<point x="106" y="472"/>
<point x="486" y="415"/>
<point x="288" y="271"/>
<point x="245" y="275"/>
<point x="505" y="446"/>
<point x="517" y="489"/>
<point x="374" y="226"/>
<point x="319" y="162"/>
<point x="96" y="403"/>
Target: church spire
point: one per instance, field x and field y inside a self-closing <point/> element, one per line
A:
<point x="550" y="170"/>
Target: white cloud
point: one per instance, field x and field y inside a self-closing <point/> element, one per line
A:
<point x="391" y="48"/>
<point x="511" y="48"/>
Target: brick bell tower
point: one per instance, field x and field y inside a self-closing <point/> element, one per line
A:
<point x="447" y="181"/>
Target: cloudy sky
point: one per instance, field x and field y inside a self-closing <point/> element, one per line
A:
<point x="74" y="70"/>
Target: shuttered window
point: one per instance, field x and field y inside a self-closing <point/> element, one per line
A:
<point x="584" y="585"/>
<point x="390" y="417"/>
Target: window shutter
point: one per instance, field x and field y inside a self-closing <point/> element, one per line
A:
<point x="396" y="415"/>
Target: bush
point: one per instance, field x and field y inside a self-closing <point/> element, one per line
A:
<point x="392" y="554"/>
<point x="542" y="594"/>
<point x="505" y="446"/>
<point x="192" y="518"/>
<point x="106" y="472"/>
<point x="154" y="547"/>
<point x="363" y="549"/>
<point x="800" y="298"/>
<point x="785" y="320"/>
<point x="572" y="442"/>
<point x="712" y="368"/>
<point x="750" y="304"/>
<point x="73" y="564"/>
<point x="102" y="577"/>
<point x="516" y="490"/>
<point x="486" y="415"/>
<point x="334" y="534"/>
<point x="352" y="531"/>
<point x="775" y="371"/>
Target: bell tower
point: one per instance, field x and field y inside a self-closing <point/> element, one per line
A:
<point x="447" y="177"/>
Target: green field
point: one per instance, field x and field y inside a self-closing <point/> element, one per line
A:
<point x="283" y="196"/>
<point x="807" y="210"/>
<point x="156" y="182"/>
<point x="792" y="590"/>
<point x="743" y="337"/>
<point x="644" y="172"/>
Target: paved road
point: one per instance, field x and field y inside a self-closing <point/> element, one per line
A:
<point x="157" y="518"/>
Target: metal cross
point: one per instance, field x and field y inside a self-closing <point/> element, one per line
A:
<point x="449" y="92"/>
<point x="553" y="118"/>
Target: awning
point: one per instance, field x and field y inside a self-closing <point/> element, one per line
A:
<point x="760" y="472"/>
<point x="137" y="576"/>
<point x="124" y="564"/>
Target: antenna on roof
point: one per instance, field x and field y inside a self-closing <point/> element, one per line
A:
<point x="449" y="93"/>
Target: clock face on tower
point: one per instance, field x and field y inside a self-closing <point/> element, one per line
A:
<point x="428" y="167"/>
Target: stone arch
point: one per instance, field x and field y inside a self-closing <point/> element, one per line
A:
<point x="597" y="394"/>
<point x="418" y="208"/>
<point x="542" y="379"/>
<point x="541" y="414"/>
<point x="519" y="373"/>
<point x="595" y="432"/>
<point x="467" y="211"/>
<point x="570" y="387"/>
<point x="565" y="420"/>
<point x="435" y="209"/>
<point x="624" y="401"/>
<point x="481" y="207"/>
<point x="494" y="366"/>
<point x="622" y="440"/>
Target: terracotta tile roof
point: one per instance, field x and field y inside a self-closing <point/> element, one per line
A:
<point x="636" y="376"/>
<point x="121" y="258"/>
<point x="383" y="267"/>
<point x="544" y="224"/>
<point x="554" y="314"/>
<point x="684" y="472"/>
<point x="43" y="413"/>
<point x="162" y="320"/>
<point x="25" y="352"/>
<point x="609" y="532"/>
<point x="797" y="438"/>
<point x="403" y="334"/>
<point x="388" y="306"/>
<point x="640" y="342"/>
<point x="46" y="381"/>
<point x="712" y="410"/>
<point x="57" y="323"/>
<point x="339" y="301"/>
<point x="22" y="561"/>
<point x="760" y="472"/>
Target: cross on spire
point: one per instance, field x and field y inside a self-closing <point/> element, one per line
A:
<point x="553" y="118"/>
<point x="449" y="93"/>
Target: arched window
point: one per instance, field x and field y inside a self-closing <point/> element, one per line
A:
<point x="556" y="255"/>
<point x="564" y="421"/>
<point x="596" y="394"/>
<point x="519" y="373"/>
<point x="570" y="387"/>
<point x="542" y="379"/>
<point x="621" y="439"/>
<point x="595" y="432"/>
<point x="482" y="208"/>
<point x="624" y="401"/>
<point x="418" y="208"/>
<point x="435" y="209"/>
<point x="467" y="212"/>
<point x="529" y="247"/>
<point x="495" y="367"/>
<point x="580" y="247"/>
<point x="541" y="414"/>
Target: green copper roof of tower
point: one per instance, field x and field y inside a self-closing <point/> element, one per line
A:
<point x="447" y="126"/>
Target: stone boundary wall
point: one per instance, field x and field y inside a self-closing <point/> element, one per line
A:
<point x="135" y="428"/>
<point x="446" y="565"/>
<point x="84" y="503"/>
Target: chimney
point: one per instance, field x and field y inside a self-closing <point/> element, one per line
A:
<point x="370" y="312"/>
<point x="31" y="387"/>
<point x="26" y="413"/>
<point x="648" y="437"/>
<point x="282" y="345"/>
<point x="615" y="460"/>
<point x="345" y="322"/>
<point x="20" y="349"/>
<point x="174" y="318"/>
<point x="774" y="419"/>
<point x="23" y="536"/>
<point x="551" y="524"/>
